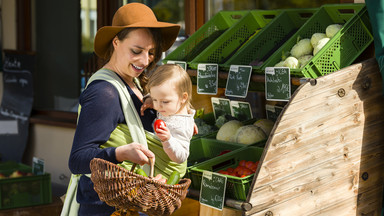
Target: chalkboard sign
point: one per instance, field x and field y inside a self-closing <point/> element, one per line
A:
<point x="207" y="78"/>
<point x="221" y="106"/>
<point x="241" y="110"/>
<point x="16" y="104"/>
<point x="181" y="63"/>
<point x="212" y="192"/>
<point x="37" y="166"/>
<point x="277" y="84"/>
<point x="238" y="81"/>
<point x="273" y="112"/>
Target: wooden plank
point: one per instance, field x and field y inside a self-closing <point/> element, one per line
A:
<point x="327" y="139"/>
<point x="206" y="210"/>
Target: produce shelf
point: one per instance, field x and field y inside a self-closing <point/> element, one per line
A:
<point x="236" y="36"/>
<point x="260" y="47"/>
<point x="341" y="50"/>
<point x="205" y="35"/>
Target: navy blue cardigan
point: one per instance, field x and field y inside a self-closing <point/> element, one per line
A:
<point x="100" y="113"/>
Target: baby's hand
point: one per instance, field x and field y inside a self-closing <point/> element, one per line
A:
<point x="162" y="132"/>
<point x="147" y="103"/>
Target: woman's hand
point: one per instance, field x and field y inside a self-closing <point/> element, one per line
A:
<point x="147" y="103"/>
<point x="134" y="152"/>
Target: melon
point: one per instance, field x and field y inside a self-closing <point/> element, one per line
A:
<point x="249" y="134"/>
<point x="228" y="130"/>
<point x="265" y="124"/>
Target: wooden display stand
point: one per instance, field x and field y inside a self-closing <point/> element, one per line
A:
<point x="325" y="154"/>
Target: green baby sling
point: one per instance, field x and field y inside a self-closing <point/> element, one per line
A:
<point x="123" y="134"/>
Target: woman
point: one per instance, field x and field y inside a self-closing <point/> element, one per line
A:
<point x="109" y="126"/>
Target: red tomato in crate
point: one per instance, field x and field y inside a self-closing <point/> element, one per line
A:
<point x="159" y="123"/>
<point x="242" y="162"/>
<point x="247" y="171"/>
<point x="230" y="169"/>
<point x="249" y="164"/>
<point x="224" y="172"/>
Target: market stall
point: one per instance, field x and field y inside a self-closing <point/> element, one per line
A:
<point x="324" y="153"/>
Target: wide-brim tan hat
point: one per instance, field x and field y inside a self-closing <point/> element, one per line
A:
<point x="134" y="15"/>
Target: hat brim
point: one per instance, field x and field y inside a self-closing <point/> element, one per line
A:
<point x="105" y="35"/>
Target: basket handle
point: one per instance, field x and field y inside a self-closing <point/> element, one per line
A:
<point x="151" y="164"/>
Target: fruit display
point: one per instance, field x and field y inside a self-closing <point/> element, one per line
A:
<point x="236" y="131"/>
<point x="15" y="174"/>
<point x="244" y="169"/>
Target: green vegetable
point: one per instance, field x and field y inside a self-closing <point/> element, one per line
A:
<point x="141" y="172"/>
<point x="223" y="119"/>
<point x="291" y="62"/>
<point x="320" y="45"/>
<point x="331" y="30"/>
<point x="174" y="178"/>
<point x="303" y="47"/>
<point x="203" y="127"/>
<point x="316" y="37"/>
<point x="303" y="60"/>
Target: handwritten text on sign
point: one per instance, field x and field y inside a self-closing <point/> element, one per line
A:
<point x="238" y="81"/>
<point x="277" y="83"/>
<point x="207" y="79"/>
<point x="213" y="189"/>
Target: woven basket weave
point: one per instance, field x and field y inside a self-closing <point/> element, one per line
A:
<point x="123" y="189"/>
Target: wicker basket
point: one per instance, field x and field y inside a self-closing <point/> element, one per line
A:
<point x="124" y="189"/>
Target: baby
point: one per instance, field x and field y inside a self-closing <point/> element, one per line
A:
<point x="170" y="90"/>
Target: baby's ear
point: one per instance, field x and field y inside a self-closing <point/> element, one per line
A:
<point x="184" y="97"/>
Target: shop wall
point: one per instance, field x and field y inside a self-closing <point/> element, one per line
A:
<point x="8" y="22"/>
<point x="50" y="143"/>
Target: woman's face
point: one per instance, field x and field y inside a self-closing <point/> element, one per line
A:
<point x="134" y="53"/>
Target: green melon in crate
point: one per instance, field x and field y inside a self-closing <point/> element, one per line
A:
<point x="236" y="188"/>
<point x="226" y="44"/>
<point x="205" y="35"/>
<point x="257" y="50"/>
<point x="341" y="50"/>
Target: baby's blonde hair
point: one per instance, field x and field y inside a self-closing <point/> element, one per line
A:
<point x="178" y="77"/>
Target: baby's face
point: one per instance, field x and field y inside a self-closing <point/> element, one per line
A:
<point x="165" y="99"/>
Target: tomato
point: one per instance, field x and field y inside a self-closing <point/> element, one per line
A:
<point x="230" y="169"/>
<point x="249" y="164"/>
<point x="223" y="172"/>
<point x="247" y="171"/>
<point x="159" y="123"/>
<point x="242" y="163"/>
<point x="238" y="170"/>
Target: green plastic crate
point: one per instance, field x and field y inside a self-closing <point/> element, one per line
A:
<point x="204" y="149"/>
<point x="23" y="191"/>
<point x="218" y="23"/>
<point x="236" y="188"/>
<point x="236" y="36"/>
<point x="269" y="39"/>
<point x="341" y="50"/>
